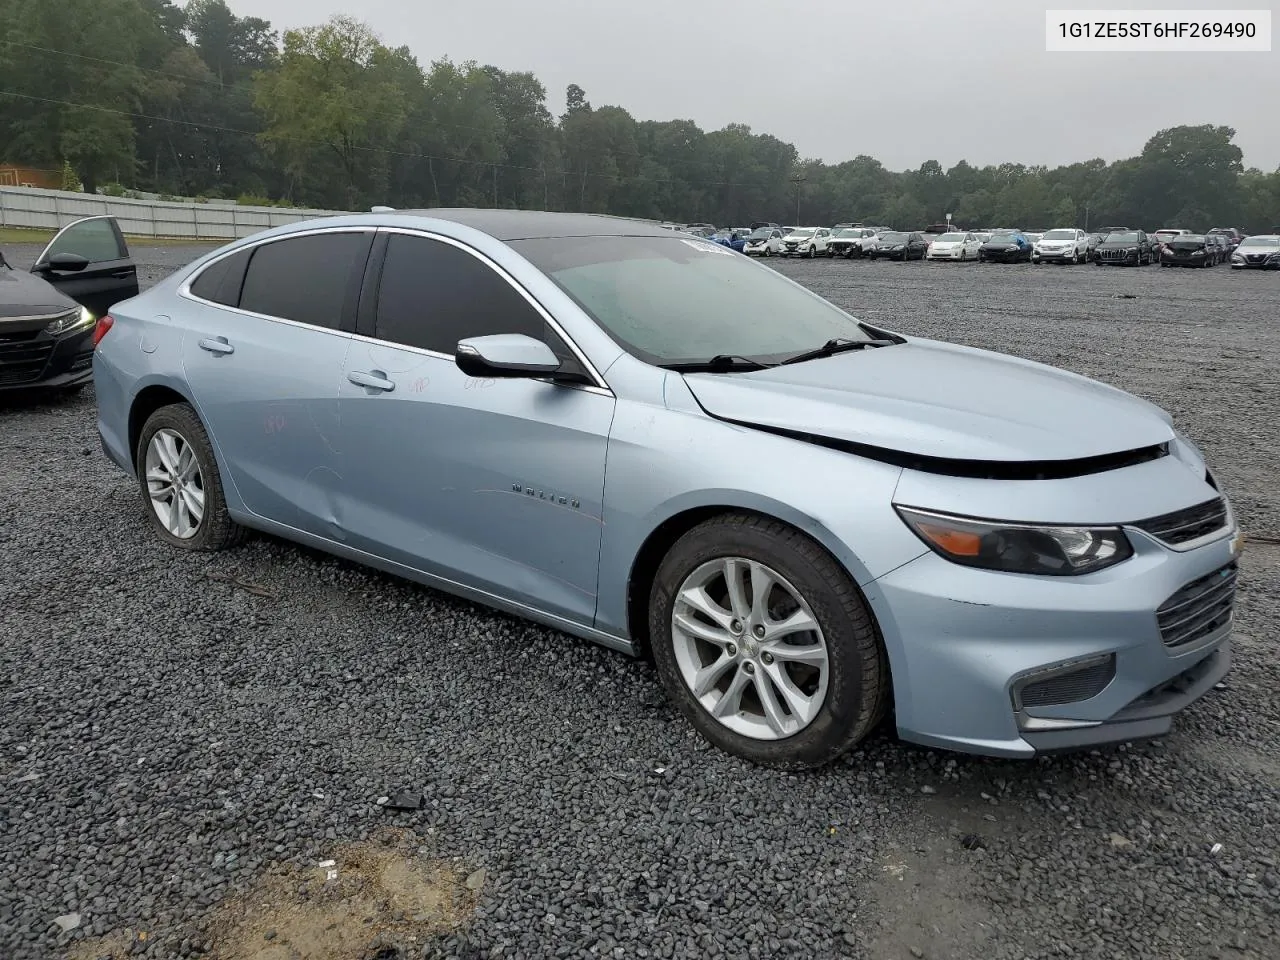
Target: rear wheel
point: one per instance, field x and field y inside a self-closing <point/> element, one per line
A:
<point x="765" y="643"/>
<point x="179" y="482"/>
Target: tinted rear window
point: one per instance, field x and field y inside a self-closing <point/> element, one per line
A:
<point x="306" y="279"/>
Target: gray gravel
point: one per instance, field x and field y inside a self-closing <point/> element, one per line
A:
<point x="167" y="737"/>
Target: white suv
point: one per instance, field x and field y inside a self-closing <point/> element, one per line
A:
<point x="806" y="242"/>
<point x="1062" y="244"/>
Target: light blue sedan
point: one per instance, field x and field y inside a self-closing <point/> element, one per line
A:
<point x="648" y="441"/>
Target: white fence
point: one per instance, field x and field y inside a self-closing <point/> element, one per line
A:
<point x="217" y="220"/>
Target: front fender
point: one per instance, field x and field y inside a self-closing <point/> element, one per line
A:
<point x="664" y="462"/>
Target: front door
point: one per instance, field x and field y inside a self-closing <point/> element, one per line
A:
<point x="495" y="484"/>
<point x="263" y="355"/>
<point x="89" y="261"/>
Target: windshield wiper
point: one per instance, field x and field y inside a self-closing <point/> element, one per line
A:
<point x="832" y="347"/>
<point x="720" y="363"/>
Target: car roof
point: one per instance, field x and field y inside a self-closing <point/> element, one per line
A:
<point x="535" y="224"/>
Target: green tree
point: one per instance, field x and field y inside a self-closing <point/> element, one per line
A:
<point x="333" y="108"/>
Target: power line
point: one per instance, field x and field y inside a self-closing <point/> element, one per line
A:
<point x="387" y="151"/>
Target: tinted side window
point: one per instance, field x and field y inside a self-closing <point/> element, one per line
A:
<point x="95" y="240"/>
<point x="307" y="279"/>
<point x="433" y="294"/>
<point x="221" y="281"/>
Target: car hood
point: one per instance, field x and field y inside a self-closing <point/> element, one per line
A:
<point x="946" y="244"/>
<point x="1120" y="244"/>
<point x="938" y="400"/>
<point x="24" y="294"/>
<point x="1001" y="243"/>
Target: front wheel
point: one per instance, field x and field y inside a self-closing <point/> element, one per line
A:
<point x="765" y="644"/>
<point x="179" y="482"/>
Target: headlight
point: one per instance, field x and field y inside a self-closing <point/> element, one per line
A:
<point x="1053" y="551"/>
<point x="76" y="319"/>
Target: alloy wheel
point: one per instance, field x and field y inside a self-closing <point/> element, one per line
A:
<point x="749" y="648"/>
<point x="175" y="483"/>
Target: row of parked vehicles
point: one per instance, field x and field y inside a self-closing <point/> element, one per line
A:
<point x="1118" y="245"/>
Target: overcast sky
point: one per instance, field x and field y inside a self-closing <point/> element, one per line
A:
<point x="843" y="77"/>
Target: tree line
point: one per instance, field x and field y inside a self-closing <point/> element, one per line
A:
<point x="198" y="101"/>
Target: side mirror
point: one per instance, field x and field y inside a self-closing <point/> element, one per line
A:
<point x="63" y="263"/>
<point x="505" y="355"/>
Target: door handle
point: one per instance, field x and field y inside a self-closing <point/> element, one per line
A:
<point x="123" y="274"/>
<point x="217" y="345"/>
<point x="374" y="380"/>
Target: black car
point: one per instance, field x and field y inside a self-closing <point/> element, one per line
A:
<point x="1006" y="246"/>
<point x="48" y="316"/>
<point x="899" y="245"/>
<point x="1189" y="250"/>
<point x="1124" y="248"/>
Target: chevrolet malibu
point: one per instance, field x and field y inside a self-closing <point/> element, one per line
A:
<point x="806" y="521"/>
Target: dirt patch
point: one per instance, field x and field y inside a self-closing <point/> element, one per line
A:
<point x="925" y="904"/>
<point x="378" y="900"/>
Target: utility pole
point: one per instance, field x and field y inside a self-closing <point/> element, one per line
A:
<point x="798" y="179"/>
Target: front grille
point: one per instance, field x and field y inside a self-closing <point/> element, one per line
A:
<point x="1114" y="254"/>
<point x="1183" y="526"/>
<point x="23" y="358"/>
<point x="1255" y="257"/>
<point x="1199" y="609"/>
<point x="1082" y="684"/>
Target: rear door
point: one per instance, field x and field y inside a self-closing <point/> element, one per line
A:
<point x="89" y="261"/>
<point x="263" y="355"/>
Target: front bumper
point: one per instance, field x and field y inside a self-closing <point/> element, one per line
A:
<point x="1002" y="256"/>
<point x="1049" y="255"/>
<point x="1252" y="263"/>
<point x="42" y="362"/>
<point x="968" y="646"/>
<point x="943" y="254"/>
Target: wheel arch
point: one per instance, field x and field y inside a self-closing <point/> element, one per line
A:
<point x="146" y="402"/>
<point x="677" y="522"/>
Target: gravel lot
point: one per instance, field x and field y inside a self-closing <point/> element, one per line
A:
<point x="169" y="737"/>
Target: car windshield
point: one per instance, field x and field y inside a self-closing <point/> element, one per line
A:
<point x="1260" y="242"/>
<point x="1059" y="235"/>
<point x="1004" y="238"/>
<point x="668" y="300"/>
<point x="801" y="234"/>
<point x="1122" y="238"/>
<point x="893" y="237"/>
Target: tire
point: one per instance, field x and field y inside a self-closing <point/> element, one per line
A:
<point x="857" y="691"/>
<point x="811" y="254"/>
<point x="215" y="530"/>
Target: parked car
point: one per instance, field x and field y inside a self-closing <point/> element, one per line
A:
<point x="982" y="235"/>
<point x="1006" y="246"/>
<point x="898" y="245"/>
<point x="1061" y="245"/>
<point x="806" y="242"/>
<point x="704" y="230"/>
<point x="756" y="225"/>
<point x="1233" y="235"/>
<point x="783" y="617"/>
<point x="47" y="315"/>
<point x="764" y="242"/>
<point x="1123" y="248"/>
<point x="1261" y="252"/>
<point x="1163" y="236"/>
<point x="1221" y="245"/>
<point x="1190" y="250"/>
<point x="1034" y="236"/>
<point x="958" y="245"/>
<point x="735" y="239"/>
<point x="850" y="242"/>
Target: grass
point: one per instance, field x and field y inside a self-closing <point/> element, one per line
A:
<point x="23" y="235"/>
